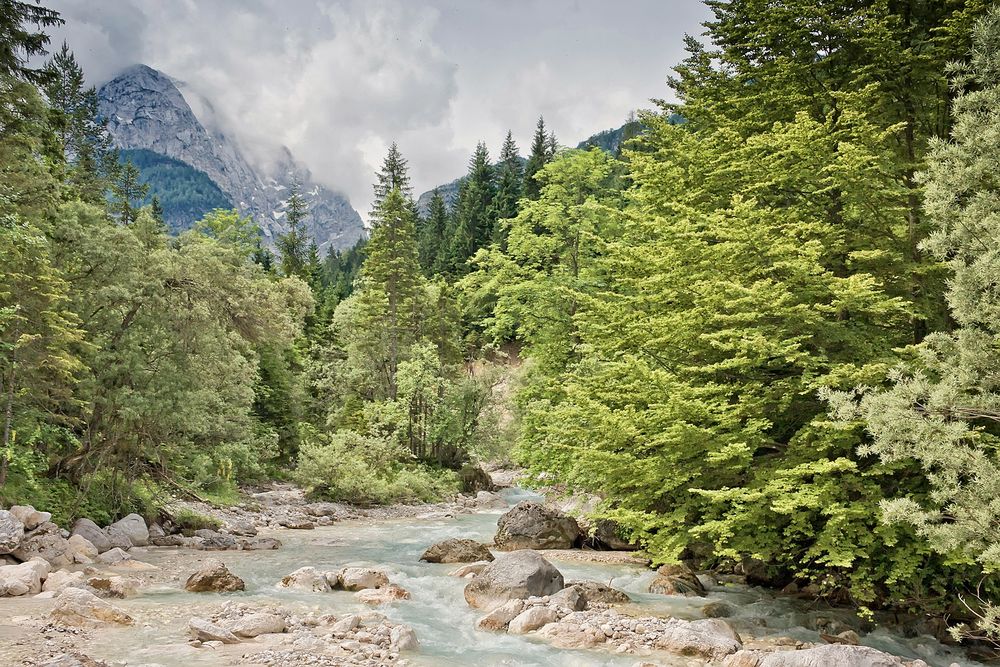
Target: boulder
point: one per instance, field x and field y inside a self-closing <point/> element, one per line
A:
<point x="457" y="551"/>
<point x="169" y="541"/>
<point x="359" y="578"/>
<point x="114" y="586"/>
<point x="92" y="533"/>
<point x="297" y="523"/>
<point x="570" y="598"/>
<point x="60" y="579"/>
<point x="29" y="516"/>
<point x="516" y="575"/>
<point x="46" y="542"/>
<point x="382" y="595"/>
<point x="607" y="534"/>
<point x="718" y="609"/>
<point x="213" y="576"/>
<point x="134" y="526"/>
<point x="470" y="570"/>
<point x="251" y="625"/>
<point x="156" y="530"/>
<point x="115" y="556"/>
<point x="490" y="500"/>
<point x="217" y="542"/>
<point x="530" y="619"/>
<point x="77" y="607"/>
<point x="240" y="528"/>
<point x="403" y="638"/>
<point x="306" y="579"/>
<point x="531" y="525"/>
<point x="118" y="538"/>
<point x="498" y="619"/>
<point x="24" y="578"/>
<point x="259" y="543"/>
<point x="595" y="591"/>
<point x="710" y="639"/>
<point x="206" y="631"/>
<point x="81" y="549"/>
<point x="570" y="635"/>
<point x="474" y="479"/>
<point x="820" y="656"/>
<point x="676" y="580"/>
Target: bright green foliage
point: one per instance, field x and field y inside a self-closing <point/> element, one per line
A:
<point x="240" y="233"/>
<point x="943" y="408"/>
<point x="474" y="211"/>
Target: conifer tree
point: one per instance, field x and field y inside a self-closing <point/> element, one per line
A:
<point x="293" y="245"/>
<point x="510" y="185"/>
<point x="536" y="160"/>
<point x="394" y="175"/>
<point x="433" y="246"/>
<point x="129" y="192"/>
<point x="475" y="214"/>
<point x="18" y="44"/>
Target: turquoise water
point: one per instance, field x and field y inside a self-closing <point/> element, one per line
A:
<point x="437" y="611"/>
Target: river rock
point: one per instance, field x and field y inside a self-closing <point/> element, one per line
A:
<point x="156" y="530"/>
<point x="214" y="576"/>
<point x="60" y="579"/>
<point x="24" y="578"/>
<point x="134" y="526"/>
<point x="820" y="656"/>
<point x="403" y="638"/>
<point x="711" y="639"/>
<point x="297" y="523"/>
<point x="115" y="556"/>
<point x="118" y="538"/>
<point x="306" y="579"/>
<point x="81" y="549"/>
<point x="516" y="575"/>
<point x="11" y="532"/>
<point x="259" y="543"/>
<point x="252" y="625"/>
<point x="570" y="598"/>
<point x="169" y="541"/>
<point x="718" y="609"/>
<point x="114" y="586"/>
<point x="207" y="631"/>
<point x="77" y="607"/>
<point x="457" y="551"/>
<point x="92" y="533"/>
<point x="359" y="578"/>
<point x="383" y="595"/>
<point x="608" y="534"/>
<point x="217" y="542"/>
<point x="531" y="525"/>
<point x="490" y="500"/>
<point x="596" y="592"/>
<point x="470" y="570"/>
<point x="29" y="516"/>
<point x="474" y="479"/>
<point x="46" y="542"/>
<point x="530" y="619"/>
<point x="498" y="619"/>
<point x="676" y="580"/>
<point x="569" y="635"/>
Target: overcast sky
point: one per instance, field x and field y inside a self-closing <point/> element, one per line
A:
<point x="336" y="81"/>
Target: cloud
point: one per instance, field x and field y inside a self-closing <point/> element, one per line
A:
<point x="337" y="81"/>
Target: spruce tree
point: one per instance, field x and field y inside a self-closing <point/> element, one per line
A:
<point x="394" y="175"/>
<point x="536" y="160"/>
<point x="510" y="185"/>
<point x="18" y="44"/>
<point x="475" y="214"/>
<point x="293" y="245"/>
<point x="129" y="192"/>
<point x="433" y="246"/>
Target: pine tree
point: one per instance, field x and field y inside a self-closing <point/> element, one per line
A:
<point x="536" y="160"/>
<point x="510" y="185"/>
<point x="129" y="192"/>
<point x="433" y="245"/>
<point x="18" y="45"/>
<point x="394" y="175"/>
<point x="293" y="245"/>
<point x="475" y="214"/>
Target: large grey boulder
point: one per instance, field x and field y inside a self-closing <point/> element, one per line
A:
<point x="456" y="551"/>
<point x="531" y="525"/>
<point x="29" y="516"/>
<point x="677" y="580"/>
<point x="210" y="632"/>
<point x="134" y="527"/>
<point x="710" y="638"/>
<point x="821" y="656"/>
<point x="45" y="541"/>
<point x="307" y="579"/>
<point x="214" y="576"/>
<point x="252" y="625"/>
<point x="595" y="591"/>
<point x="513" y="576"/>
<point x="90" y="531"/>
<point x="77" y="607"/>
<point x="358" y="579"/>
<point x="11" y="532"/>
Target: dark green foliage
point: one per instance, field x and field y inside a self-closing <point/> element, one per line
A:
<point x="184" y="193"/>
<point x="475" y="214"/>
<point x="21" y="38"/>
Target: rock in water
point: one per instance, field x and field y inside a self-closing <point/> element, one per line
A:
<point x="214" y="576"/>
<point x="251" y="625"/>
<point x="820" y="656"/>
<point x="23" y="579"/>
<point x="360" y="578"/>
<point x="531" y="525"/>
<point x="456" y="551"/>
<point x="676" y="580"/>
<point x="11" y="532"/>
<point x="81" y="549"/>
<point x="210" y="632"/>
<point x="595" y="591"/>
<point x="403" y="638"/>
<point x="532" y="619"/>
<point x="92" y="533"/>
<point x="78" y="607"/>
<point x="306" y="579"/>
<point x="46" y="542"/>
<point x="517" y="575"/>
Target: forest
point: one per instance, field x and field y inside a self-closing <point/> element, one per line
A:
<point x="762" y="323"/>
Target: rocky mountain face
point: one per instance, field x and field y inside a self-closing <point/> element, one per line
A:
<point x="145" y="109"/>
